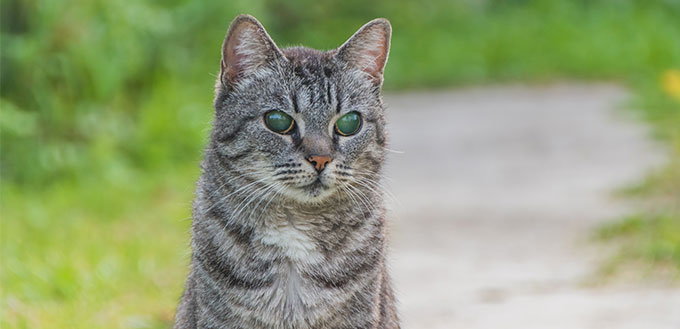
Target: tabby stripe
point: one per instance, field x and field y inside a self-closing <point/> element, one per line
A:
<point x="226" y="138"/>
<point x="240" y="234"/>
<point x="351" y="270"/>
<point x="222" y="269"/>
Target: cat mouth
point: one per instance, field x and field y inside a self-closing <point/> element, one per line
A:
<point x="315" y="188"/>
<point x="316" y="184"/>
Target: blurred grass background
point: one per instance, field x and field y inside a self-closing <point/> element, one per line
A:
<point x="106" y="106"/>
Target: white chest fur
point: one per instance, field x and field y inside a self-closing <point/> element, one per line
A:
<point x="293" y="242"/>
<point x="292" y="297"/>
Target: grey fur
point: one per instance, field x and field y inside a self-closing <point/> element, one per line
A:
<point x="276" y="245"/>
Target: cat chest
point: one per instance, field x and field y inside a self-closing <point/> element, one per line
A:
<point x="292" y="242"/>
<point x="292" y="297"/>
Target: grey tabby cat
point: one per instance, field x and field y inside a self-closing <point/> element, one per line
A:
<point x="289" y="222"/>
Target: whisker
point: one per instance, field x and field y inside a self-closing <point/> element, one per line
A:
<point x="262" y="197"/>
<point x="364" y="199"/>
<point x="254" y="195"/>
<point x="274" y="195"/>
<point x="236" y="192"/>
<point x="377" y="188"/>
<point x="349" y="194"/>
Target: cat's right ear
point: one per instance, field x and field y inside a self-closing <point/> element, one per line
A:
<point x="247" y="48"/>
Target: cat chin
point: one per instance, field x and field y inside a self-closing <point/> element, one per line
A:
<point x="312" y="193"/>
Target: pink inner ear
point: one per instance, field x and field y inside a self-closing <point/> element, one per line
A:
<point x="368" y="51"/>
<point x="374" y="66"/>
<point x="234" y="60"/>
<point x="245" y="50"/>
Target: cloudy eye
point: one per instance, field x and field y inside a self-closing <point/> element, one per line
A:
<point x="348" y="124"/>
<point x="279" y="122"/>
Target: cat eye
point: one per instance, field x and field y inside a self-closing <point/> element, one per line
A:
<point x="279" y="122"/>
<point x="348" y="124"/>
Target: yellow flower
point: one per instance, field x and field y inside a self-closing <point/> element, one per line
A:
<point x="670" y="82"/>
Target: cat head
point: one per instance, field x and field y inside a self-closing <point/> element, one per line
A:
<point x="308" y="124"/>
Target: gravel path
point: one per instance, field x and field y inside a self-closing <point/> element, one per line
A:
<point x="497" y="191"/>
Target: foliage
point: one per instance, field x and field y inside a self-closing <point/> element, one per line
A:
<point x="102" y="82"/>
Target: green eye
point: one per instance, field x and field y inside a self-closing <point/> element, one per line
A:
<point x="348" y="124"/>
<point x="279" y="122"/>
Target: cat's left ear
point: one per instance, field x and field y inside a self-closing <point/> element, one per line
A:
<point x="368" y="48"/>
<point x="246" y="49"/>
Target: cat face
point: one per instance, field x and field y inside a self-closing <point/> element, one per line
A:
<point x="305" y="124"/>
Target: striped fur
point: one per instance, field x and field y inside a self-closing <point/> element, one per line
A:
<point x="276" y="245"/>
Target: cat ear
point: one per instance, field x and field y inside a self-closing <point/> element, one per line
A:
<point x="368" y="48"/>
<point x="246" y="49"/>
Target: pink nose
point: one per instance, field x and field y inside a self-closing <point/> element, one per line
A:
<point x="319" y="161"/>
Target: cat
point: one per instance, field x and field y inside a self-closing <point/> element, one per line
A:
<point x="288" y="223"/>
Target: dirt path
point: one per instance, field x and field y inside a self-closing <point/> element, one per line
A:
<point x="498" y="190"/>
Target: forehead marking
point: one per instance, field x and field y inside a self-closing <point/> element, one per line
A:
<point x="328" y="91"/>
<point x="294" y="99"/>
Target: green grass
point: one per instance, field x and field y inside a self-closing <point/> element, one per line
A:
<point x="654" y="237"/>
<point x="99" y="255"/>
<point x="106" y="106"/>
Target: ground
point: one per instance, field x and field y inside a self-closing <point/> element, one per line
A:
<point x="497" y="192"/>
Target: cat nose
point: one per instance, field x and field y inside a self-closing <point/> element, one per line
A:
<point x="319" y="161"/>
